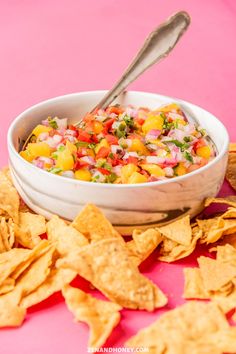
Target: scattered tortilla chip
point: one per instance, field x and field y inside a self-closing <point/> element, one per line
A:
<point x="91" y="222"/>
<point x="30" y="227"/>
<point x="214" y="229"/>
<point x="7" y="285"/>
<point x="106" y="264"/>
<point x="101" y="316"/>
<point x="193" y="285"/>
<point x="226" y="253"/>
<point x="231" y="170"/>
<point x="177" y="333"/>
<point x="143" y="244"/>
<point x="232" y="147"/>
<point x="215" y="274"/>
<point x="9" y="198"/>
<point x="10" y="315"/>
<point x="178" y="231"/>
<point x="231" y="200"/>
<point x="7" y="236"/>
<point x="66" y="237"/>
<point x="228" y="239"/>
<point x="54" y="282"/>
<point x="171" y="251"/>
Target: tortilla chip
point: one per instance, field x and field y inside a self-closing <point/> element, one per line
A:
<point x="143" y="244"/>
<point x="178" y="231"/>
<point x="214" y="229"/>
<point x="232" y="147"/>
<point x="29" y="228"/>
<point x="230" y="200"/>
<point x="101" y="316"/>
<point x="11" y="316"/>
<point x="66" y="237"/>
<point x="226" y="253"/>
<point x="7" y="236"/>
<point x="9" y="198"/>
<point x="172" y="251"/>
<point x="195" y="327"/>
<point x="106" y="264"/>
<point x="215" y="274"/>
<point x="231" y="170"/>
<point x="7" y="285"/>
<point x="91" y="222"/>
<point x="193" y="285"/>
<point x="54" y="282"/>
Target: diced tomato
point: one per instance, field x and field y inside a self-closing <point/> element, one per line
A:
<point x="145" y="173"/>
<point x="94" y="139"/>
<point x="79" y="164"/>
<point x="84" y="136"/>
<point x="88" y="117"/>
<point x="72" y="127"/>
<point x="104" y="171"/>
<point x="111" y="139"/>
<point x="114" y="109"/>
<point x="199" y="144"/>
<point x="103" y="152"/>
<point x="108" y="123"/>
<point x="133" y="160"/>
<point x="140" y="121"/>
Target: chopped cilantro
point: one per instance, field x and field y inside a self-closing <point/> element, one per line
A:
<point x="55" y="170"/>
<point x="129" y="121"/>
<point x="188" y="156"/>
<point x="111" y="178"/>
<point x="61" y="148"/>
<point x="81" y="144"/>
<point x="52" y="123"/>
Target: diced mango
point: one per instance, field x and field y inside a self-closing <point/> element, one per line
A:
<point x="154" y="170"/>
<point x="180" y="170"/>
<point x="162" y="153"/>
<point x="170" y="107"/>
<point x="65" y="160"/>
<point x="38" y="149"/>
<point x="26" y="155"/>
<point x="127" y="171"/>
<point x="40" y="129"/>
<point x="138" y="146"/>
<point x="103" y="143"/>
<point x="157" y="142"/>
<point x="71" y="147"/>
<point x="152" y="122"/>
<point x="181" y="121"/>
<point x="204" y="151"/>
<point x="97" y="127"/>
<point x="137" y="177"/>
<point x="83" y="174"/>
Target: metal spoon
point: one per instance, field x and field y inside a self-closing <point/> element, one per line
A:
<point x="157" y="46"/>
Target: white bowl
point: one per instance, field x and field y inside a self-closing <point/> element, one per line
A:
<point x="127" y="206"/>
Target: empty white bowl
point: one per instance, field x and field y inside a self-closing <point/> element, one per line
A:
<point x="127" y="206"/>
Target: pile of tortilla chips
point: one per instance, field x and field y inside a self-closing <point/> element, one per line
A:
<point x="33" y="268"/>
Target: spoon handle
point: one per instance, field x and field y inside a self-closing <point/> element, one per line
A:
<point x="157" y="45"/>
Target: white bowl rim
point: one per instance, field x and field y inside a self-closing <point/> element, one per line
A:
<point x="111" y="185"/>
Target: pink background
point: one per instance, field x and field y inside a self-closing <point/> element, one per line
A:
<point x="51" y="48"/>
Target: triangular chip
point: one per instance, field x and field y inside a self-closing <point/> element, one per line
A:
<point x="231" y="170"/>
<point x="230" y="200"/>
<point x="215" y="274"/>
<point x="11" y="316"/>
<point x="195" y="327"/>
<point x="106" y="264"/>
<point x="7" y="285"/>
<point x="92" y="223"/>
<point x="179" y="231"/>
<point x="66" y="237"/>
<point x="143" y="244"/>
<point x="54" y="282"/>
<point x="30" y="227"/>
<point x="9" y="198"/>
<point x="193" y="285"/>
<point x="101" y="316"/>
<point x="214" y="229"/>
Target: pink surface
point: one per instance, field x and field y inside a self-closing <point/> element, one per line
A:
<point x="50" y="48"/>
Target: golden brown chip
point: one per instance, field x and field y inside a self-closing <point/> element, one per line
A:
<point x="101" y="316"/>
<point x="172" y="251"/>
<point x="106" y="264"/>
<point x="92" y="223"/>
<point x="226" y="253"/>
<point x="7" y="285"/>
<point x="143" y="244"/>
<point x="10" y="315"/>
<point x="178" y="231"/>
<point x="66" y="237"/>
<point x="191" y="328"/>
<point x="231" y="170"/>
<point x="9" y="198"/>
<point x="215" y="274"/>
<point x="230" y="200"/>
<point x="214" y="229"/>
<point x="193" y="285"/>
<point x="54" y="282"/>
<point x="29" y="228"/>
<point x="232" y="147"/>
